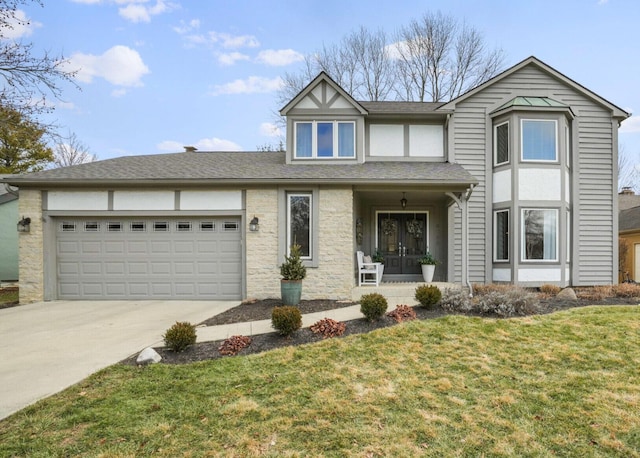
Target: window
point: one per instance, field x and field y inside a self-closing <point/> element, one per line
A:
<point x="299" y="222"/>
<point x="114" y="226"/>
<point x="160" y="226"/>
<point x="501" y="144"/>
<point x="207" y="226"/>
<point x="230" y="226"/>
<point x="539" y="235"/>
<point x="91" y="226"/>
<point x="325" y="139"/>
<point x="539" y="140"/>
<point x="183" y="226"/>
<point x="501" y="235"/>
<point x="138" y="226"/>
<point x="67" y="226"/>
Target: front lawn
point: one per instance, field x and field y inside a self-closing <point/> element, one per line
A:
<point x="565" y="384"/>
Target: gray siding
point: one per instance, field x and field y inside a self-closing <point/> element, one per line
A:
<point x="593" y="172"/>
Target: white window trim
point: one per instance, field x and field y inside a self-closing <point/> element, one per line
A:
<point x="495" y="235"/>
<point x="495" y="144"/>
<point x="549" y="161"/>
<point x="289" y="195"/>
<point x="314" y="140"/>
<point x="523" y="258"/>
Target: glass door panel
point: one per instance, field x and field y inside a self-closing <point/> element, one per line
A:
<point x="402" y="239"/>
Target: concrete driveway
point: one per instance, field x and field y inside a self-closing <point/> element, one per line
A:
<point x="48" y="346"/>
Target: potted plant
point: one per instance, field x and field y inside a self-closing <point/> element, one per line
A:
<point x="293" y="272"/>
<point x="378" y="257"/>
<point x="428" y="263"/>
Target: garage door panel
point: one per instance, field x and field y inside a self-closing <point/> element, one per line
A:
<point x="91" y="268"/>
<point x="188" y="259"/>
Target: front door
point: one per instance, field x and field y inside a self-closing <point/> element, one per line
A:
<point x="402" y="240"/>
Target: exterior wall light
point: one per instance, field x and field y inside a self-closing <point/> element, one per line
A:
<point x="403" y="201"/>
<point x="254" y="224"/>
<point x="24" y="225"/>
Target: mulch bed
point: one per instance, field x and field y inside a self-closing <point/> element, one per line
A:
<point x="261" y="310"/>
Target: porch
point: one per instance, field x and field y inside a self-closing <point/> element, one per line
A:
<point x="398" y="292"/>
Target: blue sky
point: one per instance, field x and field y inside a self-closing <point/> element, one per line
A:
<point x="159" y="74"/>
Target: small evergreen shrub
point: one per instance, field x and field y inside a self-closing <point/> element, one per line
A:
<point x="328" y="327"/>
<point x="428" y="295"/>
<point x="180" y="336"/>
<point x="373" y="306"/>
<point x="292" y="267"/>
<point x="550" y="290"/>
<point x="455" y="300"/>
<point x="515" y="302"/>
<point x="402" y="313"/>
<point x="286" y="320"/>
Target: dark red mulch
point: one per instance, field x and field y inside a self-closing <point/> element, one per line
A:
<point x="261" y="310"/>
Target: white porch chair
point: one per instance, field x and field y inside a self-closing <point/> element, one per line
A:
<point x="369" y="273"/>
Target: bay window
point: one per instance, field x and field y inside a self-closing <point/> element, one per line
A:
<point x="319" y="139"/>
<point x="501" y="144"/>
<point x="539" y="235"/>
<point x="501" y="235"/>
<point x="539" y="140"/>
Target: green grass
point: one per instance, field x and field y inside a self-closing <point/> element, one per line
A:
<point x="566" y="384"/>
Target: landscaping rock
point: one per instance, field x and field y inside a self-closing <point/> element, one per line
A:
<point x="148" y="356"/>
<point x="567" y="294"/>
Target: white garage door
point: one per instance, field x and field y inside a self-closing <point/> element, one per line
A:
<point x="149" y="258"/>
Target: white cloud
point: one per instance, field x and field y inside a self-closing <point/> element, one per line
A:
<point x="120" y="66"/>
<point x="269" y="129"/>
<point x="630" y="125"/>
<point x="231" y="58"/>
<point x="252" y="85"/>
<point x="187" y="27"/>
<point x="205" y="144"/>
<point x="141" y="12"/>
<point x="136" y="10"/>
<point x="228" y="41"/>
<point x="21" y="26"/>
<point x="280" y="57"/>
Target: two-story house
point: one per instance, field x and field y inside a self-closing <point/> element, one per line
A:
<point x="514" y="181"/>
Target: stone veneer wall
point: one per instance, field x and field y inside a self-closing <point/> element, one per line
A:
<point x="334" y="277"/>
<point x="263" y="272"/>
<point x="30" y="245"/>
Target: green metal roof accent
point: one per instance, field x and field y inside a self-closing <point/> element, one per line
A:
<point x="535" y="102"/>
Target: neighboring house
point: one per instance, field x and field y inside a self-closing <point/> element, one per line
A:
<point x="629" y="233"/>
<point x="8" y="232"/>
<point x="514" y="181"/>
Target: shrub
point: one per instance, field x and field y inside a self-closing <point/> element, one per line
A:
<point x="515" y="302"/>
<point x="455" y="300"/>
<point x="180" y="336"/>
<point x="402" y="313"/>
<point x="328" y="328"/>
<point x="595" y="293"/>
<point x="373" y="306"/>
<point x="428" y="295"/>
<point x="550" y="290"/>
<point x="482" y="289"/>
<point x="626" y="290"/>
<point x="286" y="320"/>
<point x="292" y="267"/>
<point x="234" y="344"/>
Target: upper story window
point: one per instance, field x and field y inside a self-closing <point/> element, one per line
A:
<point x="319" y="139"/>
<point x="501" y="144"/>
<point x="539" y="140"/>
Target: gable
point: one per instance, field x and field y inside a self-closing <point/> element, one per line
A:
<point x="322" y="96"/>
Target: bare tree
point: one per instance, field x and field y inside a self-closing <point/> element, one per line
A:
<point x="439" y="59"/>
<point x="433" y="59"/>
<point x="28" y="77"/>
<point x="71" y="151"/>
<point x="628" y="174"/>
